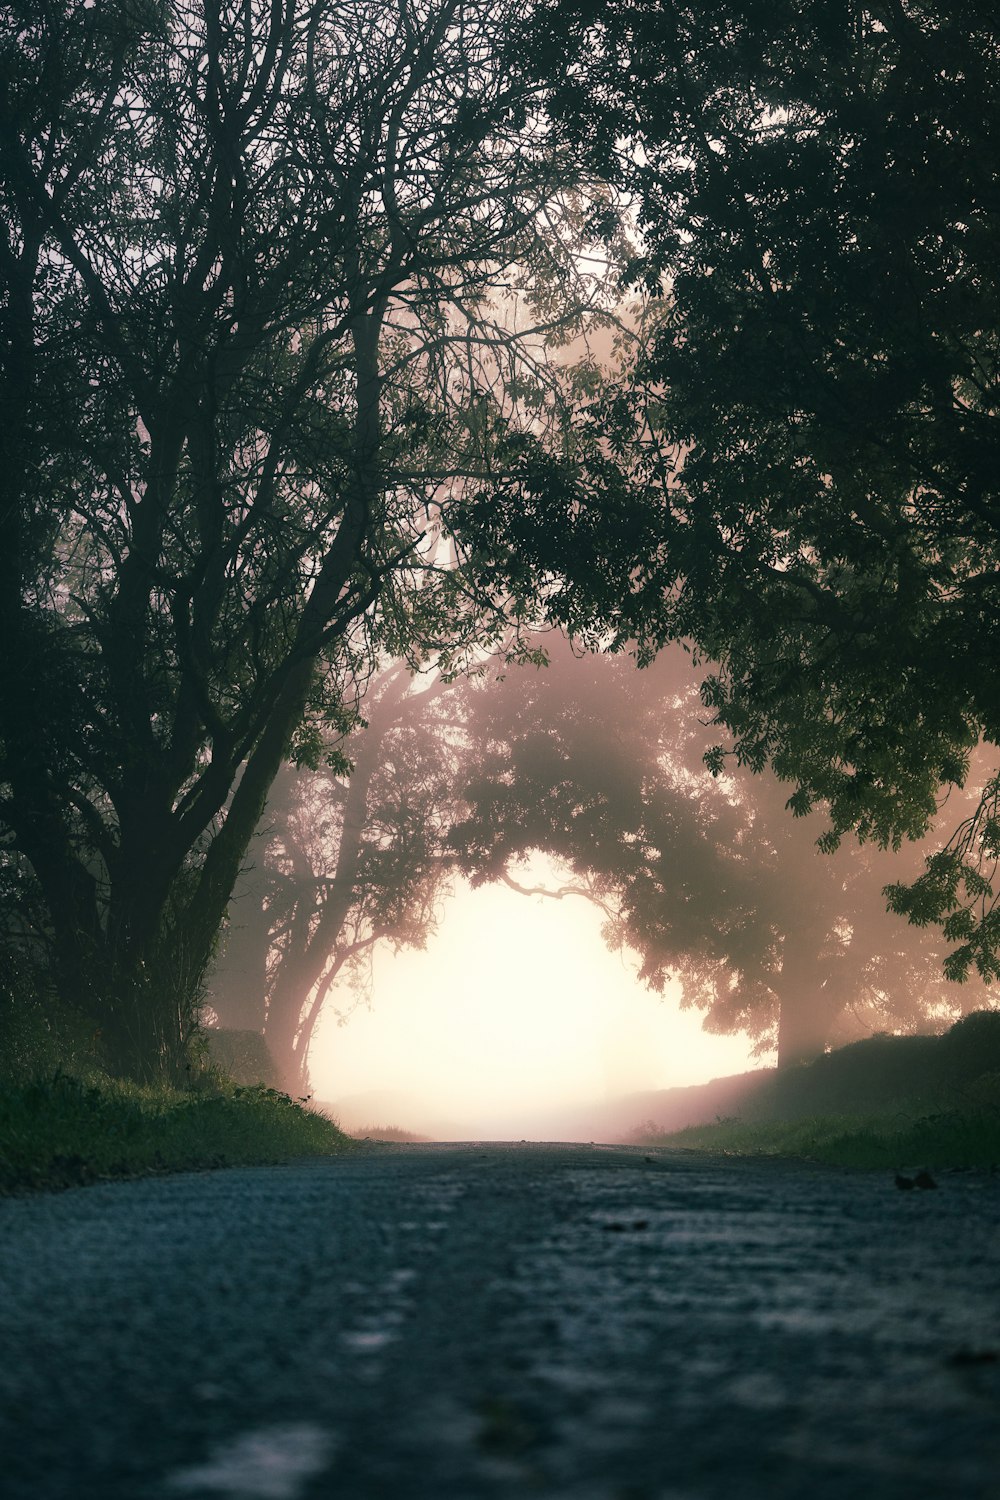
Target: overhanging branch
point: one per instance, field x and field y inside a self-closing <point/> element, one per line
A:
<point x="559" y="894"/>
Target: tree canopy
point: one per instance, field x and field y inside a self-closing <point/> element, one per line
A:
<point x="815" y="416"/>
<point x="708" y="880"/>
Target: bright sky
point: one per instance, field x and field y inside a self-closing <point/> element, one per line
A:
<point x="515" y="1008"/>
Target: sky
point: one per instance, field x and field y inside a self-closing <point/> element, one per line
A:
<point x="516" y="1010"/>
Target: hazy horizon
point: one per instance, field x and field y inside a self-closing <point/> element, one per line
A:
<point x="515" y="1013"/>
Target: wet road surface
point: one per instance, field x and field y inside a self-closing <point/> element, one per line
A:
<point x="485" y="1322"/>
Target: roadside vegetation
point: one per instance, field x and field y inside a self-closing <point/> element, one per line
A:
<point x="931" y="1101"/>
<point x="954" y="1138"/>
<point x="64" y="1122"/>
<point x="63" y="1131"/>
<point x="386" y="1133"/>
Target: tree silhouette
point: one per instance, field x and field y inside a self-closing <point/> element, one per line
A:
<point x="340" y="864"/>
<point x="709" y="880"/>
<point x="278" y="280"/>
<point x="814" y="425"/>
<point x="601" y="767"/>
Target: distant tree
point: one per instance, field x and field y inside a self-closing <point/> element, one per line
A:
<point x="709" y="880"/>
<point x="341" y="862"/>
<point x="277" y="283"/>
<point x="816" y="187"/>
<point x="601" y="767"/>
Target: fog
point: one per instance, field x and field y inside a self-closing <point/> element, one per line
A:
<point x="516" y="1022"/>
<point x="397" y="977"/>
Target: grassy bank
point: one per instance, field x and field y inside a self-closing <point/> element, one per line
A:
<point x="886" y="1101"/>
<point x="62" y="1132"/>
<point x="954" y="1139"/>
<point x="967" y="1136"/>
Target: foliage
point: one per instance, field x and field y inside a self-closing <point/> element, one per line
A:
<point x="709" y="879"/>
<point x="240" y="1055"/>
<point x="385" y="1133"/>
<point x="814" y="425"/>
<point x="63" y="1132"/>
<point x="957" y="890"/>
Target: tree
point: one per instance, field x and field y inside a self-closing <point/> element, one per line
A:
<point x="341" y="863"/>
<point x="601" y="768"/>
<point x="816" y="417"/>
<point x="707" y="879"/>
<point x="277" y="283"/>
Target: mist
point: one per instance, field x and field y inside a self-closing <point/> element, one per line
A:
<point x="646" y="925"/>
<point x="539" y="1042"/>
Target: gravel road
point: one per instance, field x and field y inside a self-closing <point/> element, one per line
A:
<point x="457" y="1322"/>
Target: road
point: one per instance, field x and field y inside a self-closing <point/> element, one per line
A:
<point x="457" y="1322"/>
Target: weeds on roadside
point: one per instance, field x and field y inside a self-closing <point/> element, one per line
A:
<point x="386" y="1133"/>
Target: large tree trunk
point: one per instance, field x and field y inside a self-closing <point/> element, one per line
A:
<point x="146" y="1026"/>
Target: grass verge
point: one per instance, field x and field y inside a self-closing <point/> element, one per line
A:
<point x="62" y="1132"/>
<point x="953" y="1138"/>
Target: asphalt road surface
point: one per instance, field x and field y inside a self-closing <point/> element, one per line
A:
<point x="457" y="1322"/>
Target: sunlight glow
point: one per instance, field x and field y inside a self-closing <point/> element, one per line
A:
<point x="515" y="1021"/>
